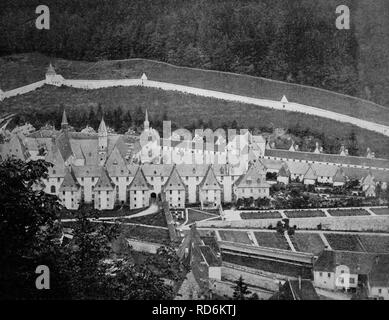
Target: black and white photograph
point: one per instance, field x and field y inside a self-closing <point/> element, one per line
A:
<point x="207" y="150"/>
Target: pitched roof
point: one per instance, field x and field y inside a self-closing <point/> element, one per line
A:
<point x="87" y="171"/>
<point x="296" y="290"/>
<point x="55" y="157"/>
<point x="116" y="165"/>
<point x="174" y="182"/>
<point x="104" y="183"/>
<point x="310" y="174"/>
<point x="339" y="176"/>
<point x="192" y="170"/>
<point x="298" y="168"/>
<point x="209" y="256"/>
<point x="69" y="182"/>
<point x="358" y="262"/>
<point x="284" y="171"/>
<point x="368" y="180"/>
<point x="255" y="177"/>
<point x="64" y="119"/>
<point x="50" y="70"/>
<point x="102" y="127"/>
<point x="157" y="170"/>
<point x="209" y="181"/>
<point x="63" y="144"/>
<point x="379" y="274"/>
<point x="139" y="183"/>
<point x="324" y="170"/>
<point x="328" y="158"/>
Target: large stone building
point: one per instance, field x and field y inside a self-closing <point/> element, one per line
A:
<point x="107" y="169"/>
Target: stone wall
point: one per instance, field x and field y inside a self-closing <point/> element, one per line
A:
<point x="347" y="223"/>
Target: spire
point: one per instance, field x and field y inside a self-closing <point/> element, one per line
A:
<point x="64" y="122"/>
<point x="146" y="123"/>
<point x="102" y="127"/>
<point x="50" y="70"/>
<point x="317" y="149"/>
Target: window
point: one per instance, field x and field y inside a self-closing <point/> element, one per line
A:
<point x="320" y="274"/>
<point x="352" y="280"/>
<point x="52" y="189"/>
<point x="379" y="291"/>
<point x="329" y="275"/>
<point x="342" y="271"/>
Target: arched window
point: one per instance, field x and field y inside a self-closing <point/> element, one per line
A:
<point x="52" y="189"/>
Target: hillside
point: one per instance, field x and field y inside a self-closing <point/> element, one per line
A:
<point x="46" y="104"/>
<point x="288" y="40"/>
<point x="29" y="68"/>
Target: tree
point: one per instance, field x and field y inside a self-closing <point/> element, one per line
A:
<point x="28" y="230"/>
<point x="240" y="290"/>
<point x="82" y="268"/>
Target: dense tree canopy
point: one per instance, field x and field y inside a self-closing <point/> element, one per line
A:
<point x="81" y="268"/>
<point x="295" y="40"/>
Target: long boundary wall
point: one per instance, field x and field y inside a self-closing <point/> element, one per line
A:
<point x="277" y="105"/>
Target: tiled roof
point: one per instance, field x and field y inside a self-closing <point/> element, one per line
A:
<point x="63" y="144"/>
<point x="55" y="157"/>
<point x="139" y="183"/>
<point x="174" y="182"/>
<point x="368" y="180"/>
<point x="87" y="171"/>
<point x="379" y="274"/>
<point x="104" y="183"/>
<point x="339" y="176"/>
<point x="209" y="181"/>
<point x="69" y="182"/>
<point x="157" y="170"/>
<point x="310" y="174"/>
<point x="328" y="158"/>
<point x="297" y="168"/>
<point x="116" y="165"/>
<point x="192" y="170"/>
<point x="255" y="177"/>
<point x="284" y="171"/>
<point x="209" y="256"/>
<point x="324" y="170"/>
<point x="358" y="262"/>
<point x="296" y="290"/>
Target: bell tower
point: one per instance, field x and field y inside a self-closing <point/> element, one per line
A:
<point x="103" y="142"/>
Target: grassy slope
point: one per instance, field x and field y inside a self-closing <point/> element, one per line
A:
<point x="184" y="109"/>
<point x="23" y="69"/>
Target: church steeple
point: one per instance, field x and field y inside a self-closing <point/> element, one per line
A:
<point x="64" y="122"/>
<point x="103" y="142"/>
<point x="146" y="123"/>
<point x="102" y="128"/>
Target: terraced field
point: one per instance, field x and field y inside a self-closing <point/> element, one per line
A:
<point x="381" y="211"/>
<point x="146" y="233"/>
<point x="260" y="215"/>
<point x="268" y="265"/>
<point x="194" y="216"/>
<point x="348" y="212"/>
<point x="235" y="236"/>
<point x="307" y="242"/>
<point x="344" y="242"/>
<point x="271" y="240"/>
<point x="376" y="244"/>
<point x="304" y="213"/>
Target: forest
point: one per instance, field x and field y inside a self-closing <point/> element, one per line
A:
<point x="294" y="41"/>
